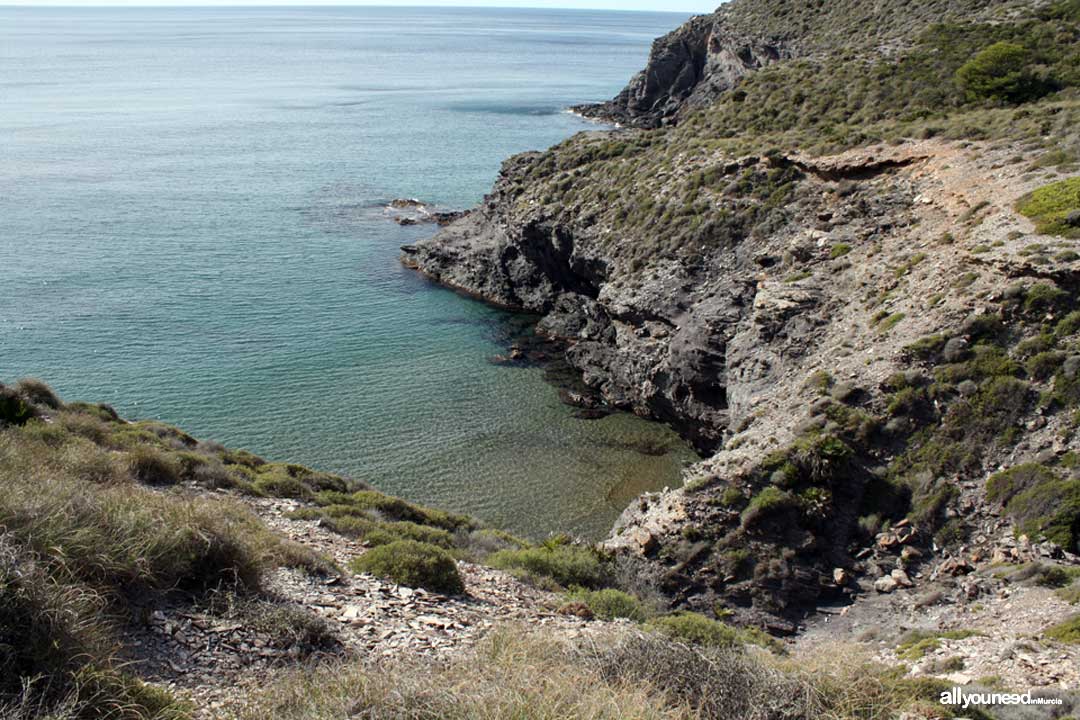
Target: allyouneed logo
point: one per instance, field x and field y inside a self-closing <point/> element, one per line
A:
<point x="956" y="696"/>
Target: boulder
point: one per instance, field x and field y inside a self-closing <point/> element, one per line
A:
<point x="886" y="584"/>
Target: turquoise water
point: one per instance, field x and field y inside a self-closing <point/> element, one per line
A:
<point x="191" y="229"/>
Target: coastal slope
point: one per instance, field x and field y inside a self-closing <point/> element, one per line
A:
<point x="847" y="276"/>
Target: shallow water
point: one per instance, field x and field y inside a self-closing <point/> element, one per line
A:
<point x="191" y="229"/>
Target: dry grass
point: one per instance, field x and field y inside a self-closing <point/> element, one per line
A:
<point x="82" y="533"/>
<point x="511" y="676"/>
<point x="515" y="674"/>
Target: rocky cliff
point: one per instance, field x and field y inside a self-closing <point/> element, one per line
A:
<point x="826" y="277"/>
<point x="697" y="63"/>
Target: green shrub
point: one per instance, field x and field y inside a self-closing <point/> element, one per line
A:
<point x="412" y="563"/>
<point x="839" y="250"/>
<point x="1050" y="206"/>
<point x="927" y="348"/>
<point x="819" y="380"/>
<point x="1000" y="72"/>
<point x="55" y="653"/>
<point x="769" y="502"/>
<point x="697" y="629"/>
<point x="1042" y="366"/>
<point x="100" y="411"/>
<point x="1043" y="297"/>
<point x="1070" y="594"/>
<point x="608" y="604"/>
<point x="397" y="509"/>
<point x="1050" y="509"/>
<point x="887" y="323"/>
<point x="354" y="522"/>
<point x="1055" y="576"/>
<point x="1066" y="632"/>
<point x="567" y="565"/>
<point x="1005" y="485"/>
<point x="1068" y="325"/>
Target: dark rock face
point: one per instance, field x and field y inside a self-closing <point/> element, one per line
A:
<point x="687" y="68"/>
<point x="687" y="347"/>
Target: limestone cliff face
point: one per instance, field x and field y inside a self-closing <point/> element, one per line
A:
<point x="687" y="68"/>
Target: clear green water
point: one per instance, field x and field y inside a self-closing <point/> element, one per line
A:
<point x="191" y="229"/>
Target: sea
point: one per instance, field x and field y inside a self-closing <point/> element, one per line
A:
<point x="193" y="228"/>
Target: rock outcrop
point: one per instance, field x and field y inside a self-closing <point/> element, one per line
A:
<point x="687" y="68"/>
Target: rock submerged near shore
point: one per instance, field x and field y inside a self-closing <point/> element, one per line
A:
<point x="410" y="211"/>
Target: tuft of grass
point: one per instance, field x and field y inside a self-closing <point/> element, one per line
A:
<point x="1070" y="594"/>
<point x="1050" y="207"/>
<point x="839" y="250"/>
<point x="39" y="393"/>
<point x="919" y="643"/>
<point x="57" y="656"/>
<point x="513" y="674"/>
<point x="888" y="322"/>
<point x="1041" y="503"/>
<point x="151" y="466"/>
<point x="412" y="563"/>
<point x="1055" y="576"/>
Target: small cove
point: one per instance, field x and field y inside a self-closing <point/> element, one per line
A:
<point x="192" y="229"/>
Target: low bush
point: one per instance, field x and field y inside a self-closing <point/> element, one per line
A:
<point x="1055" y="576"/>
<point x="275" y="482"/>
<point x="1066" y="632"/>
<point x="1070" y="594"/>
<point x="1051" y="206"/>
<point x="1005" y="485"/>
<point x="609" y="604"/>
<point x="697" y="629"/>
<point x="513" y="674"/>
<point x="78" y="508"/>
<point x="398" y="509"/>
<point x="412" y="563"/>
<point x="354" y="522"/>
<point x="55" y="653"/>
<point x="770" y="502"/>
<point x="563" y="563"/>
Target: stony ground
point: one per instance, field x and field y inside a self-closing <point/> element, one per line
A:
<point x="214" y="658"/>
<point x="967" y="190"/>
